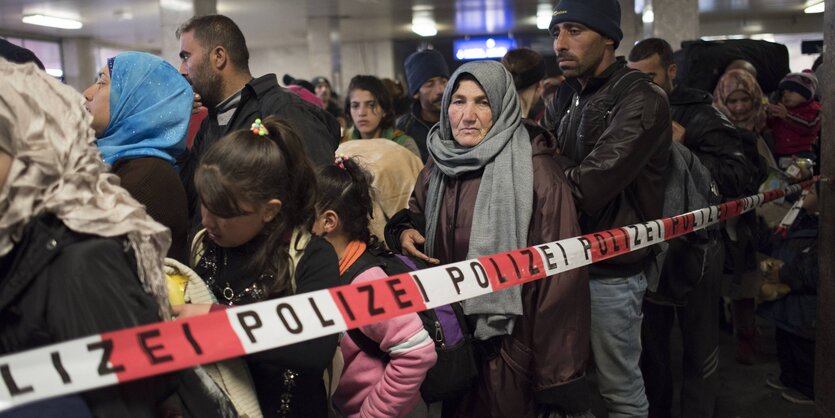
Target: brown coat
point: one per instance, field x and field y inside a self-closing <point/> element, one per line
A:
<point x="155" y="184"/>
<point x="543" y="361"/>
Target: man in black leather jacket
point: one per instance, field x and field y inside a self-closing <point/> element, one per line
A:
<point x="614" y="134"/>
<point x="714" y="139"/>
<point x="215" y="60"/>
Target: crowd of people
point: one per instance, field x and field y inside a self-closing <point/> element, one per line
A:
<point x="283" y="191"/>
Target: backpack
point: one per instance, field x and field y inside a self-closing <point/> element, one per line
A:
<point x="684" y="263"/>
<point x="455" y="371"/>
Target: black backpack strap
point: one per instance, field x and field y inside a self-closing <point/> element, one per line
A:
<point x="367" y="345"/>
<point x="365" y="262"/>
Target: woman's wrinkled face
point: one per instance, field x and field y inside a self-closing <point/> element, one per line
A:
<point x="98" y="102"/>
<point x="470" y="116"/>
<point x="739" y="103"/>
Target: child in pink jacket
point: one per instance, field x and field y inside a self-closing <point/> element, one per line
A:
<point x="383" y="381"/>
<point x="795" y="118"/>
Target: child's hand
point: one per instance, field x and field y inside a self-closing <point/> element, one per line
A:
<point x="777" y="110"/>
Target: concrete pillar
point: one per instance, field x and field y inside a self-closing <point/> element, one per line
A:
<point x="825" y="339"/>
<point x="630" y="24"/>
<point x="172" y="13"/>
<point x="79" y="56"/>
<point x="675" y="21"/>
<point x="324" y="49"/>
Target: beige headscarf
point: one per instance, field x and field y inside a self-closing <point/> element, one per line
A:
<point x="57" y="169"/>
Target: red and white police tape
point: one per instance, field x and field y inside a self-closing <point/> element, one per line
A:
<point x="134" y="353"/>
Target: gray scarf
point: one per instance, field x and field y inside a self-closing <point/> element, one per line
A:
<point x="504" y="203"/>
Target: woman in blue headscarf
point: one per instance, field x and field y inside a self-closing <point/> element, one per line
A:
<point x="141" y="107"/>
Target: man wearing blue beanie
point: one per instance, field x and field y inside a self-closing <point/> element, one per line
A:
<point x="427" y="74"/>
<point x="614" y="132"/>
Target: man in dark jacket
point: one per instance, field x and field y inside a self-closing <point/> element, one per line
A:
<point x="615" y="136"/>
<point x="714" y="139"/>
<point x="427" y="73"/>
<point x="215" y="60"/>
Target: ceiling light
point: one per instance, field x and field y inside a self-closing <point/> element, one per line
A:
<point x="424" y="27"/>
<point x="52" y="22"/>
<point x="815" y="8"/>
<point x="423" y="23"/>
<point x="648" y="16"/>
<point x="55" y="72"/>
<point x="543" y="16"/>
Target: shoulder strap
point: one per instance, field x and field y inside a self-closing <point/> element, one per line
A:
<point x="363" y="263"/>
<point x="367" y="345"/>
<point x="624" y="83"/>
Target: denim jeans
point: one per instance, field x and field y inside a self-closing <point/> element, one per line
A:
<point x="616" y="343"/>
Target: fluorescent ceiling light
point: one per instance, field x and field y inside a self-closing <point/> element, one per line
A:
<point x="543" y="16"/>
<point x="648" y="15"/>
<point x="424" y="27"/>
<point x="52" y="22"/>
<point x="815" y="8"/>
<point x="423" y="23"/>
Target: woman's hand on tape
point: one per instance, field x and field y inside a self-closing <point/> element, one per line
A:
<point x="187" y="309"/>
<point x="409" y="241"/>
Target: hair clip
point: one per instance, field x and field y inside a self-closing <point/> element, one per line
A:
<point x="340" y="160"/>
<point x="258" y="128"/>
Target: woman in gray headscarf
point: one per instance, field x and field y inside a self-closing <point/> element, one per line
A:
<point x="492" y="185"/>
<point x="78" y="255"/>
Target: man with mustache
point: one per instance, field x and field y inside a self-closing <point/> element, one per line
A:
<point x="215" y="60"/>
<point x="427" y="73"/>
<point x="614" y="133"/>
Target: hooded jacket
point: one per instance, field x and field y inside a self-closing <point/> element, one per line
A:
<point x="712" y="137"/>
<point x="542" y="362"/>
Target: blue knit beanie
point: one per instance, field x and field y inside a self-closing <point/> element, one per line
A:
<point x="423" y="65"/>
<point x="602" y="16"/>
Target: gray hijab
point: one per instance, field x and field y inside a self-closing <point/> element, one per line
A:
<point x="504" y="203"/>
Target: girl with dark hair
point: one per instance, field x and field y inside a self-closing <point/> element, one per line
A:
<point x="371" y="112"/>
<point x="257" y="191"/>
<point x="370" y="385"/>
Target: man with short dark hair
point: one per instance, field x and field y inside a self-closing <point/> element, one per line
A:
<point x="614" y="136"/>
<point x="215" y="59"/>
<point x="427" y="74"/>
<point x="714" y="140"/>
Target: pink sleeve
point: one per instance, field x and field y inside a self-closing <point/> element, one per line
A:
<point x="411" y="353"/>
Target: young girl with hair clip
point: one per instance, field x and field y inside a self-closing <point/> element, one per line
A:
<point x="371" y="385"/>
<point x="257" y="191"/>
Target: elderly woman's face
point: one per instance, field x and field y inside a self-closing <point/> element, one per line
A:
<point x="98" y="102"/>
<point x="469" y="113"/>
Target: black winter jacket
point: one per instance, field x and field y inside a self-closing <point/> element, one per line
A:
<point x="615" y="153"/>
<point x="57" y="285"/>
<point x="262" y="97"/>
<point x="712" y="137"/>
